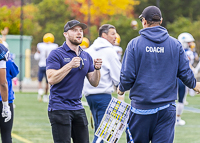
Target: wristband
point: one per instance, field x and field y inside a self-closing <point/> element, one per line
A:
<point x="96" y="68"/>
<point x="5" y="103"/>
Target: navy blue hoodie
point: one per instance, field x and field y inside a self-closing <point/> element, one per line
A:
<point x="151" y="65"/>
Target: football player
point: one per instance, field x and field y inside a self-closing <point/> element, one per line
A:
<point x="43" y="50"/>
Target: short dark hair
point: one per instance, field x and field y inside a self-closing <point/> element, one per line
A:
<point x="105" y="28"/>
<point x="155" y="21"/>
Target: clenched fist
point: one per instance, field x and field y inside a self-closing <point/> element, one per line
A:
<point x="97" y="63"/>
<point x="119" y="92"/>
<point x="75" y="62"/>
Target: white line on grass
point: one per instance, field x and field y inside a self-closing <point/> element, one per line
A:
<point x="191" y="109"/>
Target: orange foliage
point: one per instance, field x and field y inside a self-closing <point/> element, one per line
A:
<point x="100" y="9"/>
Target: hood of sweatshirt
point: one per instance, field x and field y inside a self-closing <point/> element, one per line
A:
<point x="156" y="34"/>
<point x="100" y="43"/>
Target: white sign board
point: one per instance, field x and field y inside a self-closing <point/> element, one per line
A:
<point x="114" y="121"/>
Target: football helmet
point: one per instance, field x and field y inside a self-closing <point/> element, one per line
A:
<point x="134" y="24"/>
<point x="118" y="39"/>
<point x="48" y="38"/>
<point x="185" y="38"/>
<point x="85" y="43"/>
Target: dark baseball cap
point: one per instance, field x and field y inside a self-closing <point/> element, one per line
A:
<point x="72" y="23"/>
<point x="151" y="13"/>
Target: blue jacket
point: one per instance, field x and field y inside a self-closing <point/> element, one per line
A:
<point x="150" y="67"/>
<point x="11" y="72"/>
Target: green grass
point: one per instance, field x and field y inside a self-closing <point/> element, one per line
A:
<point x="31" y="121"/>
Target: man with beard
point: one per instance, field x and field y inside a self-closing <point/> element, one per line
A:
<point x="98" y="98"/>
<point x="67" y="67"/>
<point x="43" y="50"/>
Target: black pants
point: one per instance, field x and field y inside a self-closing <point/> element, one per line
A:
<point x="67" y="124"/>
<point x="6" y="127"/>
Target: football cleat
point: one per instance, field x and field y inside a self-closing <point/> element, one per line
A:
<point x="180" y="122"/>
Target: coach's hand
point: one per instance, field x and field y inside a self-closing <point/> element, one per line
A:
<point x="97" y="64"/>
<point x="197" y="88"/>
<point x="119" y="92"/>
<point x="6" y="111"/>
<point x="75" y="62"/>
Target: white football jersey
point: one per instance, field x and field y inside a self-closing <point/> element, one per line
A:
<point x="44" y="49"/>
<point x="190" y="55"/>
<point x="119" y="51"/>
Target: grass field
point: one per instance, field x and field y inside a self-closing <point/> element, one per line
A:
<point x="31" y="124"/>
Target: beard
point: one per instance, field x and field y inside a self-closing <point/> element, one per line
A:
<point x="74" y="41"/>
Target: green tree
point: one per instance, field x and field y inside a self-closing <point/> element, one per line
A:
<point x="179" y="26"/>
<point x="183" y="24"/>
<point x="172" y="9"/>
<point x="35" y="1"/>
<point x="52" y="16"/>
<point x="10" y="17"/>
<point x="124" y="29"/>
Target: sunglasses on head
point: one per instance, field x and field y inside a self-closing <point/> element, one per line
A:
<point x="141" y="18"/>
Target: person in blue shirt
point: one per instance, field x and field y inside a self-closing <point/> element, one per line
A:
<point x="151" y="66"/>
<point x="7" y="123"/>
<point x="11" y="72"/>
<point x="67" y="67"/>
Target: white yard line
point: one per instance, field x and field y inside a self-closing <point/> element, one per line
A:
<point x="191" y="109"/>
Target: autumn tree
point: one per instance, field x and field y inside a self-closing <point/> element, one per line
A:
<point x="10" y="17"/>
<point x="97" y="10"/>
<point x="52" y="16"/>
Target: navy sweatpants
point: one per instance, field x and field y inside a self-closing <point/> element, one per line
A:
<point x="157" y="128"/>
<point x="6" y="127"/>
<point x="98" y="104"/>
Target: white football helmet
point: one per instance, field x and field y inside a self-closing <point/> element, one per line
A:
<point x="185" y="38"/>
